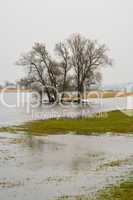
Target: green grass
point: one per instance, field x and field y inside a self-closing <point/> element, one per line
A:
<point x="115" y="122"/>
<point x="122" y="192"/>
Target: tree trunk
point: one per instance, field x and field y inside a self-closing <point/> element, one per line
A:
<point x="64" y="85"/>
<point x="78" y="96"/>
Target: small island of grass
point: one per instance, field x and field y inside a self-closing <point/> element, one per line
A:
<point x="123" y="191"/>
<point x="113" y="122"/>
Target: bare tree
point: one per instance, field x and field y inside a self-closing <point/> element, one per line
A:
<point x="62" y="51"/>
<point x="41" y="68"/>
<point x="78" y="62"/>
<point x="87" y="57"/>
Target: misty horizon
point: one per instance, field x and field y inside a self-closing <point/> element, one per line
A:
<point x="26" y="22"/>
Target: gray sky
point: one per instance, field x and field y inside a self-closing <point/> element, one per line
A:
<point x="23" y="22"/>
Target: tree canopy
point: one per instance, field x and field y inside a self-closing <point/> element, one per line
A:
<point x="76" y="62"/>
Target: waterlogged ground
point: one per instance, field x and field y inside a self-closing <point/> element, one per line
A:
<point x="17" y="108"/>
<point x="62" y="165"/>
<point x="53" y="167"/>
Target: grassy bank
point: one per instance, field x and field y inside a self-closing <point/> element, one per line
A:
<point x="122" y="192"/>
<point x="115" y="122"/>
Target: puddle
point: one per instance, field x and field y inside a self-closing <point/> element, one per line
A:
<point x="61" y="165"/>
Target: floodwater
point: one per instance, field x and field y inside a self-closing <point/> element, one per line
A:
<point x="18" y="109"/>
<point x="50" y="167"/>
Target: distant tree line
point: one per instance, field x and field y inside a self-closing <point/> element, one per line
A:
<point x="76" y="62"/>
<point x="8" y="84"/>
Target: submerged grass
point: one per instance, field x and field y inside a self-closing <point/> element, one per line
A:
<point x="123" y="191"/>
<point x="114" y="122"/>
<point x="115" y="163"/>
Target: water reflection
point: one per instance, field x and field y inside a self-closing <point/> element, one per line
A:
<point x="61" y="165"/>
<point x="25" y="112"/>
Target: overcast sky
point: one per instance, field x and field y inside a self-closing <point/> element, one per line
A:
<point x="23" y="22"/>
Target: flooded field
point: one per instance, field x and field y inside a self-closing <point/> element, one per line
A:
<point x="16" y="110"/>
<point x="64" y="165"/>
<point x="70" y="165"/>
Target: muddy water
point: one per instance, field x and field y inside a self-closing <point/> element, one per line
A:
<point x="49" y="167"/>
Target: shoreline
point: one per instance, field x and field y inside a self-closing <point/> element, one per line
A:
<point x="91" y="94"/>
<point x="115" y="122"/>
<point x="14" y="90"/>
